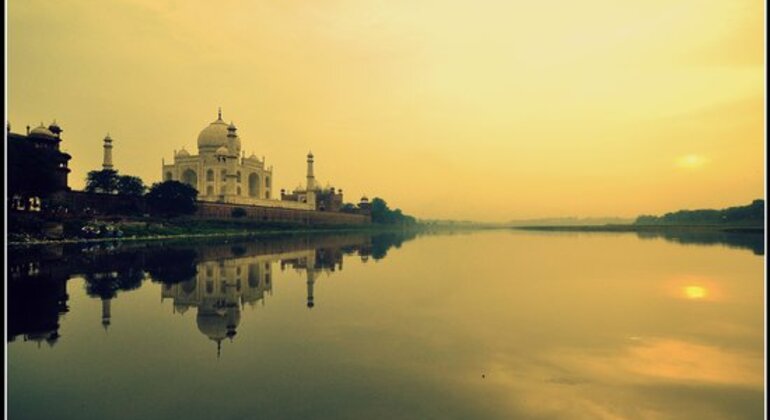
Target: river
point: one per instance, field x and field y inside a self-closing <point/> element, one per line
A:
<point x="492" y="324"/>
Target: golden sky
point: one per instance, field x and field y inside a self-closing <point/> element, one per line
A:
<point x="465" y="109"/>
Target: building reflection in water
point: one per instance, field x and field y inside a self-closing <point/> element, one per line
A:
<point x="217" y="278"/>
<point x="36" y="300"/>
<point x="222" y="287"/>
<point x="219" y="290"/>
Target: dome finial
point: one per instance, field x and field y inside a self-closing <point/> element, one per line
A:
<point x="219" y="113"/>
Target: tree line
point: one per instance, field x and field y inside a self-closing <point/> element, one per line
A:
<point x="167" y="198"/>
<point x="749" y="215"/>
<point x="382" y="214"/>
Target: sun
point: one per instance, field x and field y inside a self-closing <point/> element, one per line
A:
<point x="691" y="161"/>
<point x="695" y="292"/>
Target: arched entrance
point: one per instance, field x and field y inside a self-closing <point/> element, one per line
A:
<point x="190" y="178"/>
<point x="253" y="185"/>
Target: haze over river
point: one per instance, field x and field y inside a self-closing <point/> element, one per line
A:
<point x="488" y="324"/>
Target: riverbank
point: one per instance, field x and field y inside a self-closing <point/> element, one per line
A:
<point x="648" y="228"/>
<point x="71" y="231"/>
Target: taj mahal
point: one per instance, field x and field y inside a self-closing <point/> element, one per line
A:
<point x="222" y="173"/>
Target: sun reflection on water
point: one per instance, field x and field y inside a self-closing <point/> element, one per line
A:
<point x="694" y="288"/>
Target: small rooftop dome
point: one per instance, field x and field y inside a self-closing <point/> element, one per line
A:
<point x="42" y="131"/>
<point x="54" y="128"/>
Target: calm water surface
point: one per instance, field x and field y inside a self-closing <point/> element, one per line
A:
<point x="496" y="324"/>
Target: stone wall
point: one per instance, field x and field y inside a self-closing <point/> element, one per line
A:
<point x="80" y="203"/>
<point x="281" y="215"/>
<point x="261" y="202"/>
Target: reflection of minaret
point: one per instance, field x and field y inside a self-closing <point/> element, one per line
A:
<point x="106" y="312"/>
<point x="310" y="283"/>
<point x="107" y="153"/>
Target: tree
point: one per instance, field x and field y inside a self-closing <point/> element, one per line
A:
<point x="172" y="198"/>
<point x="104" y="181"/>
<point x="130" y="185"/>
<point x="749" y="215"/>
<point x="382" y="214"/>
<point x="171" y="266"/>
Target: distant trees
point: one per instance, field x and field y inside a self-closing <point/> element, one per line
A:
<point x="382" y="214"/>
<point x="107" y="181"/>
<point x="750" y="215"/>
<point x="104" y="181"/>
<point x="172" y="198"/>
<point x="130" y="185"/>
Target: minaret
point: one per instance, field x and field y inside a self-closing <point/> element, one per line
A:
<point x="106" y="312"/>
<point x="107" y="165"/>
<point x="311" y="186"/>
<point x="231" y="160"/>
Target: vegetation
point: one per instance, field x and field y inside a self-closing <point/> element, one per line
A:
<point x="382" y="214"/>
<point x="104" y="181"/>
<point x="107" y="181"/>
<point x="749" y="215"/>
<point x="131" y="185"/>
<point x="171" y="198"/>
<point x="171" y="265"/>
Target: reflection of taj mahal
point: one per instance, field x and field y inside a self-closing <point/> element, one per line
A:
<point x="219" y="290"/>
<point x="222" y="287"/>
<point x="217" y="279"/>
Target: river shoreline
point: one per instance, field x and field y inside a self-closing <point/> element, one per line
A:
<point x="647" y="228"/>
<point x="213" y="235"/>
<point x="274" y="231"/>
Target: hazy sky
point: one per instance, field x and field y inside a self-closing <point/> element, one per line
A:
<point x="486" y="110"/>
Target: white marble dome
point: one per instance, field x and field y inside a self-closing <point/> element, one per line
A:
<point x="214" y="136"/>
